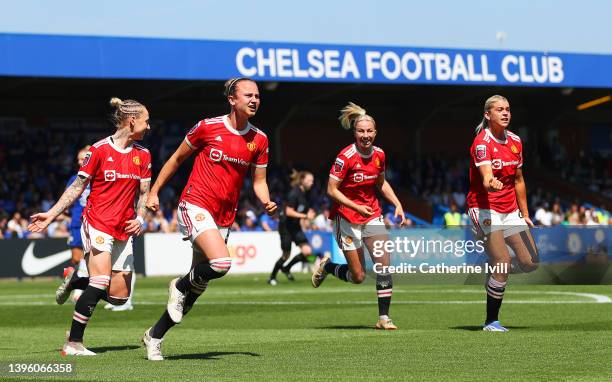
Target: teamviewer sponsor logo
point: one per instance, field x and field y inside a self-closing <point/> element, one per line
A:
<point x="110" y="175"/>
<point x="216" y="155"/>
<point x="239" y="161"/>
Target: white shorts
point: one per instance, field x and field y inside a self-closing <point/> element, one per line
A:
<point x="349" y="236"/>
<point x="193" y="220"/>
<point x="487" y="221"/>
<point x="122" y="253"/>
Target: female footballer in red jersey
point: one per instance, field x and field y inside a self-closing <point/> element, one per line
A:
<point x="497" y="202"/>
<point x="358" y="171"/>
<point x="226" y="148"/>
<point x="117" y="170"/>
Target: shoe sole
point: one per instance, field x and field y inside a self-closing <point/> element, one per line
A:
<point x="383" y="328"/>
<point x="322" y="264"/>
<point x="170" y="288"/>
<point x="494" y="330"/>
<point x="64" y="284"/>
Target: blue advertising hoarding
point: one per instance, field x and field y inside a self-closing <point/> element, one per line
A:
<point x="182" y="59"/>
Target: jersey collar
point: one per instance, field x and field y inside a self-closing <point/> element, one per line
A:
<point x="488" y="132"/>
<point x="117" y="148"/>
<point x="362" y="155"/>
<point x="234" y="131"/>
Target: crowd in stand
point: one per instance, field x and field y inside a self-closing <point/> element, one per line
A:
<point x="34" y="170"/>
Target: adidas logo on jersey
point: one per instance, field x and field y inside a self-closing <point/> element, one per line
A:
<point x="219" y="138"/>
<point x="110" y="159"/>
<point x="358" y="165"/>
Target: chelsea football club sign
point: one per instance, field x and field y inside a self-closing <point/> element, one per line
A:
<point x="103" y="57"/>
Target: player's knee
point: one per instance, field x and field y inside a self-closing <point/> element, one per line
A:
<point x="221" y="265"/>
<point x="528" y="266"/>
<point x="358" y="277"/>
<point x="306" y="250"/>
<point x="117" y="301"/>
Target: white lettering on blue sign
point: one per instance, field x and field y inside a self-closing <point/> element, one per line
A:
<point x="389" y="65"/>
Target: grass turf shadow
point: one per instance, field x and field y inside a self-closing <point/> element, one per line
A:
<point x="211" y="355"/>
<point x="104" y="349"/>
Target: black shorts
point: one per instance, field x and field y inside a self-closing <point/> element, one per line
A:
<point x="287" y="236"/>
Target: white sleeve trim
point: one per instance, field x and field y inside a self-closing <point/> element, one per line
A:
<point x="83" y="173"/>
<point x="145" y="180"/>
<point x="334" y="177"/>
<point x="478" y="164"/>
<point x="261" y="165"/>
<point x="189" y="143"/>
<point x="520" y="165"/>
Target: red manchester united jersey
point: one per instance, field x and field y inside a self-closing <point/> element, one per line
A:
<point x="504" y="157"/>
<point x="224" y="156"/>
<point x="357" y="174"/>
<point x="115" y="175"/>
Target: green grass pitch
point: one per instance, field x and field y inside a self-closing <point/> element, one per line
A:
<point x="243" y="329"/>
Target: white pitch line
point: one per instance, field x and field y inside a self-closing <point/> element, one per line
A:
<point x="373" y="302"/>
<point x="595" y="298"/>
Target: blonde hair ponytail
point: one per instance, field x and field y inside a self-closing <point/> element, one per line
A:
<point x="124" y="109"/>
<point x="351" y="114"/>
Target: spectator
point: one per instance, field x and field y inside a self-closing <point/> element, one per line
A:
<point x="452" y="218"/>
<point x="543" y="216"/>
<point x="557" y="214"/>
<point x="14" y="227"/>
<point x="321" y="222"/>
<point x="268" y="223"/>
<point x="573" y="215"/>
<point x="250" y="222"/>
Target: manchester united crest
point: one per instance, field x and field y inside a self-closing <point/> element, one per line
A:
<point x="136" y="160"/>
<point x="251" y="146"/>
<point x="100" y="240"/>
<point x="200" y="217"/>
<point x="514" y="149"/>
<point x="377" y="162"/>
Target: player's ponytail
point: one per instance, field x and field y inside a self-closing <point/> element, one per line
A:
<point x="122" y="109"/>
<point x="297" y="177"/>
<point x="484" y="124"/>
<point x="351" y="114"/>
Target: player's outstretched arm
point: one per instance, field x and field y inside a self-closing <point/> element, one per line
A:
<point x="172" y="164"/>
<point x="260" y="187"/>
<point x="337" y="196"/>
<point x="387" y="192"/>
<point x="521" y="195"/>
<point x="41" y="220"/>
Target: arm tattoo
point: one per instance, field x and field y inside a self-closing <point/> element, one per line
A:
<point x="71" y="194"/>
<point x="141" y="209"/>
